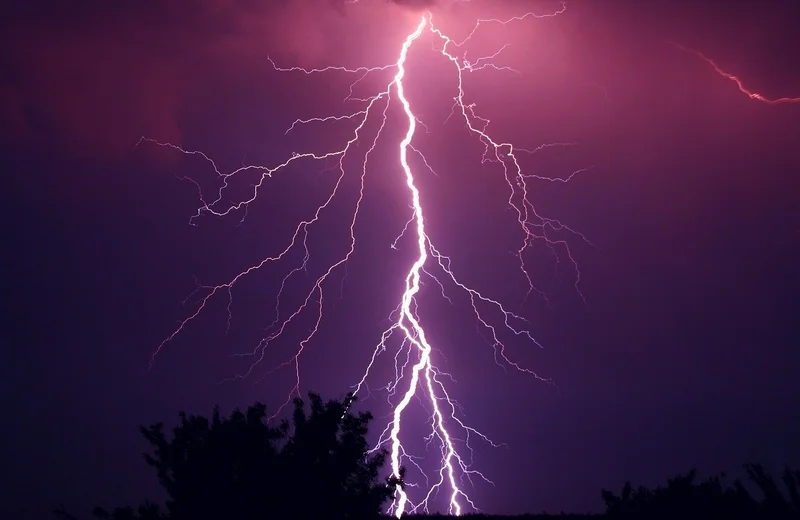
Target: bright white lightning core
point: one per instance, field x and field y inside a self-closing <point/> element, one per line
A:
<point x="416" y="376"/>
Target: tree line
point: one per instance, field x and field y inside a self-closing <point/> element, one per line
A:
<point x="319" y="466"/>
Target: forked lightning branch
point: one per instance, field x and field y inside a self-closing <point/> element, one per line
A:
<point x="417" y="373"/>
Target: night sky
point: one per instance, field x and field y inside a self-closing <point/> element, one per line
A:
<point x="683" y="355"/>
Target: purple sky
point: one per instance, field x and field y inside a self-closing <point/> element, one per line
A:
<point x="680" y="357"/>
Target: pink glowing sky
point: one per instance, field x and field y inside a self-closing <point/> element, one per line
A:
<point x="689" y="325"/>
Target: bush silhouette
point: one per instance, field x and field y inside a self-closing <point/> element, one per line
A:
<point x="710" y="498"/>
<point x="319" y="466"/>
<point x="240" y="467"/>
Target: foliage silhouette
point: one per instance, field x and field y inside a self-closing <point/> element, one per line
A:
<point x="710" y="497"/>
<point x="241" y="468"/>
<point x="318" y="465"/>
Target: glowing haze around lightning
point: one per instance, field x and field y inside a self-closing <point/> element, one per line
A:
<point x="416" y="375"/>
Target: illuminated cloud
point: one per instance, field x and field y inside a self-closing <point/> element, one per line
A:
<point x="158" y="58"/>
<point x="415" y="4"/>
<point x="93" y="79"/>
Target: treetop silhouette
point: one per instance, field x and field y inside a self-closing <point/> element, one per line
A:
<point x="710" y="497"/>
<point x="240" y="467"/>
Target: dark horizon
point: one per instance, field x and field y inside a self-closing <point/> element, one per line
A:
<point x="683" y="354"/>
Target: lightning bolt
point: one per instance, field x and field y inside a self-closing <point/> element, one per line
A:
<point x="744" y="90"/>
<point x="416" y="375"/>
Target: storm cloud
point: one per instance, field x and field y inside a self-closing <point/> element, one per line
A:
<point x="415" y="4"/>
<point x="94" y="77"/>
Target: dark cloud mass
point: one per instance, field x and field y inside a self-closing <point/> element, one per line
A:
<point x="94" y="77"/>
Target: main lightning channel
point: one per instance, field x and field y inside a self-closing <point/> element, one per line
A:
<point x="414" y="332"/>
<point x="416" y="376"/>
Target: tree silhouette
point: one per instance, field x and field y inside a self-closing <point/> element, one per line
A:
<point x="711" y="497"/>
<point x="242" y="468"/>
